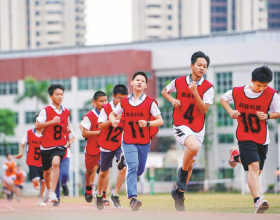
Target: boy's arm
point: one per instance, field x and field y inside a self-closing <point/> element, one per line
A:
<point x="233" y="113"/>
<point x="40" y="125"/>
<point x="21" y="149"/>
<point x="114" y="119"/>
<point x="274" y="107"/>
<point x="102" y="120"/>
<point x="155" y="123"/>
<point x="203" y="107"/>
<point x="175" y="102"/>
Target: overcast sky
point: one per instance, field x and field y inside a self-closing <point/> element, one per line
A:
<point x="108" y="21"/>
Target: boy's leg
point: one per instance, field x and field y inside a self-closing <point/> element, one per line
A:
<point x="64" y="175"/>
<point x="57" y="189"/>
<point x="55" y="172"/>
<point x="253" y="179"/>
<point x="190" y="171"/>
<point x="43" y="187"/>
<point x="47" y="178"/>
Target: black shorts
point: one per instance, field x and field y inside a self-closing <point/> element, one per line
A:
<point x="251" y="152"/>
<point x="47" y="156"/>
<point x="35" y="172"/>
<point x="18" y="186"/>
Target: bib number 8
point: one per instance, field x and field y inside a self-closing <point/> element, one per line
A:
<point x="57" y="132"/>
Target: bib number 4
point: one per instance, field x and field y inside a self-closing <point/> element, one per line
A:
<point x="189" y="114"/>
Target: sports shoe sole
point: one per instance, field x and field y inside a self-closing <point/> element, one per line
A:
<point x="121" y="164"/>
<point x="136" y="206"/>
<point x="235" y="163"/>
<point x="173" y="193"/>
<point x="262" y="207"/>
<point x="114" y="204"/>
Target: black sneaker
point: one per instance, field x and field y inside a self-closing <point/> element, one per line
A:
<point x="99" y="202"/>
<point x="115" y="201"/>
<point x="179" y="201"/>
<point x="56" y="203"/>
<point x="88" y="196"/>
<point x="65" y="190"/>
<point x="135" y="204"/>
<point x="121" y="163"/>
<point x="182" y="179"/>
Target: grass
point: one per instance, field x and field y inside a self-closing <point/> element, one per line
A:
<point x="200" y="202"/>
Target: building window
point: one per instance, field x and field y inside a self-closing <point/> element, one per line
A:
<point x="12" y="148"/>
<point x="163" y="81"/>
<point x="53" y="42"/>
<point x="153" y="16"/>
<point x="53" y="22"/>
<point x="225" y="173"/>
<point x="54" y="32"/>
<point x="153" y="6"/>
<point x="53" y="2"/>
<point x="82" y="144"/>
<point x="163" y="174"/>
<point x="16" y="118"/>
<point x="37" y="23"/>
<point x="82" y="113"/>
<point x="166" y="143"/>
<point x="169" y="17"/>
<point x="65" y="82"/>
<point x="37" y="13"/>
<point x="8" y="88"/>
<point x="37" y="3"/>
<point x="30" y="117"/>
<point x="154" y="26"/>
<point x="224" y="82"/>
<point x="226" y="138"/>
<point x="167" y="115"/>
<point x="277" y="81"/>
<point x="223" y="118"/>
<point x="38" y="43"/>
<point x="169" y="7"/>
<point x="38" y="34"/>
<point x="169" y="27"/>
<point x="53" y="12"/>
<point x="98" y="83"/>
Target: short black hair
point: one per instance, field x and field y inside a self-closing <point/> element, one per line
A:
<point x="262" y="74"/>
<point x="7" y="154"/>
<point x="98" y="94"/>
<point x="120" y="89"/>
<point x="53" y="87"/>
<point x="200" y="54"/>
<point x="142" y="74"/>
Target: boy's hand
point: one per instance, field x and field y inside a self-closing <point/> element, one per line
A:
<point x="68" y="129"/>
<point x="18" y="156"/>
<point x="193" y="87"/>
<point x="262" y="115"/>
<point x="234" y="114"/>
<point x="176" y="103"/>
<point x="116" y="123"/>
<point x="118" y="117"/>
<point x="56" y="119"/>
<point x="142" y="123"/>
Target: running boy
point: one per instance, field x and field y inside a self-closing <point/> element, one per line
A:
<point x="33" y="159"/>
<point x="109" y="142"/>
<point x="54" y="119"/>
<point x="137" y="109"/>
<point x="19" y="181"/>
<point x="254" y="105"/>
<point x="194" y="96"/>
<point x="90" y="131"/>
<point x="10" y="175"/>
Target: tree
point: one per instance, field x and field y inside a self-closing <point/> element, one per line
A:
<point x="34" y="89"/>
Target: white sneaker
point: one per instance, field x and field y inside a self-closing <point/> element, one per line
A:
<point x="42" y="204"/>
<point x="46" y="195"/>
<point x="261" y="205"/>
<point x="52" y="197"/>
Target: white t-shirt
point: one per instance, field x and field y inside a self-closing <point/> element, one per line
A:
<point x="71" y="135"/>
<point x="86" y="122"/>
<point x="154" y="108"/>
<point x="42" y="117"/>
<point x="274" y="105"/>
<point x="208" y="96"/>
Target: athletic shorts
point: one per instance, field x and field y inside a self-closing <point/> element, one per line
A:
<point x="251" y="152"/>
<point x="182" y="132"/>
<point x="106" y="158"/>
<point x="91" y="161"/>
<point x="47" y="156"/>
<point x="19" y="186"/>
<point x="36" y="173"/>
<point x="9" y="179"/>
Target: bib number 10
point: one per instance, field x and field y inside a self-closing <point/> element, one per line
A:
<point x="251" y="122"/>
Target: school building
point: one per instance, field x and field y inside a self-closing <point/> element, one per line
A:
<point x="84" y="70"/>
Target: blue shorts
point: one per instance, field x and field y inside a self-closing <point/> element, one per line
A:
<point x="106" y="158"/>
<point x="19" y="186"/>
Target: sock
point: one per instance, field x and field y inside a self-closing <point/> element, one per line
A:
<point x="114" y="194"/>
<point x="88" y="188"/>
<point x="178" y="192"/>
<point x="256" y="199"/>
<point x="184" y="171"/>
<point x="104" y="194"/>
<point x="236" y="158"/>
<point x="99" y="195"/>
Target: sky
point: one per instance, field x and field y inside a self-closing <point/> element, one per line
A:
<point x="108" y="21"/>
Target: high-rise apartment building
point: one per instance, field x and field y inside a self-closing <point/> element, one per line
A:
<point x="41" y="24"/>
<point x="154" y="19"/>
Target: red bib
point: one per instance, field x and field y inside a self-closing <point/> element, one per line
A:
<point x="11" y="168"/>
<point x="55" y="135"/>
<point x="188" y="113"/>
<point x="91" y="147"/>
<point x="33" y="157"/>
<point x="110" y="138"/>
<point x="133" y="134"/>
<point x="19" y="178"/>
<point x="250" y="128"/>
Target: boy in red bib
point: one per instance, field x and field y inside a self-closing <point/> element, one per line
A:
<point x="33" y="138"/>
<point x="109" y="141"/>
<point x="54" y="119"/>
<point x="138" y="111"/>
<point x="10" y="175"/>
<point x="254" y="105"/>
<point x="194" y="96"/>
<point x="90" y="131"/>
<point x="19" y="181"/>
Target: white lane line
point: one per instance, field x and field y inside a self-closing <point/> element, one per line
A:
<point x="11" y="208"/>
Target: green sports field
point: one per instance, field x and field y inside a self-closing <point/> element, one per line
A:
<point x="199" y="202"/>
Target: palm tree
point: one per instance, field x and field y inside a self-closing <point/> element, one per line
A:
<point x="34" y="89"/>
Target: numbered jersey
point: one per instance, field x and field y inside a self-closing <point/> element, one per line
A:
<point x="250" y="128"/>
<point x="188" y="113"/>
<point x="55" y="135"/>
<point x="91" y="147"/>
<point x="133" y="133"/>
<point x="20" y="177"/>
<point x="10" y="171"/>
<point x="110" y="138"/>
<point x="33" y="154"/>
